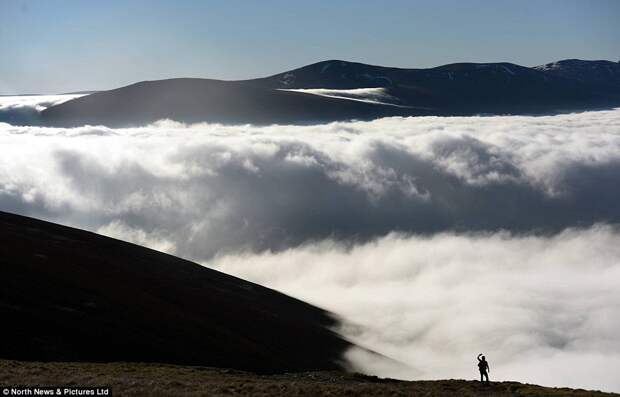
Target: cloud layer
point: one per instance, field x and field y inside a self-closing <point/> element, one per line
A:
<point x="544" y="310"/>
<point x="435" y="238"/>
<point x="25" y="109"/>
<point x="206" y="189"/>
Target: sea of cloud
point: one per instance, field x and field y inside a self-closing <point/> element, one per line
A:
<point x="544" y="310"/>
<point x="433" y="238"/>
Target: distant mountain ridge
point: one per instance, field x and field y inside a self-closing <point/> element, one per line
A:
<point x="602" y="73"/>
<point x="298" y="96"/>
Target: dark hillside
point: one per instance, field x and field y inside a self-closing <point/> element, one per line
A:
<point x="203" y="100"/>
<point x="71" y="295"/>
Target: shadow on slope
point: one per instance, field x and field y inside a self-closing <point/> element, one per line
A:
<point x="72" y="295"/>
<point x="203" y="100"/>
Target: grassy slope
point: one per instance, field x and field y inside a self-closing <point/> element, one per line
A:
<point x="71" y="295"/>
<point x="135" y="379"/>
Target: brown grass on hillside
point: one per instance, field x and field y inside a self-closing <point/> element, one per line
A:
<point x="137" y="379"/>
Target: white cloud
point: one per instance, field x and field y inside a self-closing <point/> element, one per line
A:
<point x="543" y="309"/>
<point x="257" y="188"/>
<point x="118" y="229"/>
<point x="39" y="102"/>
<point x="25" y="109"/>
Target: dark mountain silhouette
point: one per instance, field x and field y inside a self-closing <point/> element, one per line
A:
<point x="604" y="74"/>
<point x="195" y="100"/>
<point x="455" y="89"/>
<point x="71" y="295"/>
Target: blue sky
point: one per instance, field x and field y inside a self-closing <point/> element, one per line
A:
<point x="60" y="46"/>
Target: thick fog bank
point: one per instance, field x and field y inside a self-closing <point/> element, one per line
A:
<point x="544" y="310"/>
<point x="205" y="189"/>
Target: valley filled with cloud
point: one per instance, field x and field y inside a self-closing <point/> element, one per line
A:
<point x="434" y="238"/>
<point x="543" y="309"/>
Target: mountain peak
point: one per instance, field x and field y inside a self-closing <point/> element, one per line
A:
<point x="335" y="90"/>
<point x="601" y="73"/>
<point x="333" y="73"/>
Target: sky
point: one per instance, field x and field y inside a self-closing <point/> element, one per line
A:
<point x="65" y="45"/>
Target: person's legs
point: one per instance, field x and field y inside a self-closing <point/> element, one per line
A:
<point x="486" y="375"/>
<point x="481" y="376"/>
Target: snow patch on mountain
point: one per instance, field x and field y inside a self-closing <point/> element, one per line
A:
<point x="377" y="95"/>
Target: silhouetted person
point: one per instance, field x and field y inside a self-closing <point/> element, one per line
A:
<point x="483" y="367"/>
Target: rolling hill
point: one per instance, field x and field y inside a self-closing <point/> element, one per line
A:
<point x="71" y="295"/>
<point x="326" y="91"/>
